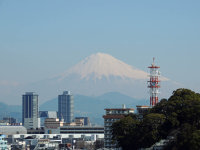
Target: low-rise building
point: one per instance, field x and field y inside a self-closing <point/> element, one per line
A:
<point x="9" y="130"/>
<point x="82" y="130"/>
<point x="52" y="125"/>
<point x="31" y="123"/>
<point x="36" y="131"/>
<point x="46" y="114"/>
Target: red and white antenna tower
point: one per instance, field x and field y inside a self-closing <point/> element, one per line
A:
<point x="154" y="83"/>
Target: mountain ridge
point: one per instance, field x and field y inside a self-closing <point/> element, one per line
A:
<point x="102" y="64"/>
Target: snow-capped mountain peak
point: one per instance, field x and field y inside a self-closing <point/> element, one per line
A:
<point x="104" y="65"/>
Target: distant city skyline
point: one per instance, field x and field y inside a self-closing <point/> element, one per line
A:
<point x="40" y="39"/>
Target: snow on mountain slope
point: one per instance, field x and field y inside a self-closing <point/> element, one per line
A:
<point x="100" y="65"/>
<point x="103" y="65"/>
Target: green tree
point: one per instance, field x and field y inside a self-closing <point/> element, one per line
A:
<point x="179" y="116"/>
<point x="150" y="129"/>
<point x="186" y="138"/>
<point x="125" y="132"/>
<point x="195" y="140"/>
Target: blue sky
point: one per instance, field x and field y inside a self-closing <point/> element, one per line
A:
<point x="39" y="39"/>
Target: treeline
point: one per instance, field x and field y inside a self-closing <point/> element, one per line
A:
<point x="177" y="119"/>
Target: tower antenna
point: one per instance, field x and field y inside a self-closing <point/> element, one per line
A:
<point x="154" y="83"/>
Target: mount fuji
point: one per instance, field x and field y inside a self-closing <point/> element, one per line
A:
<point x="95" y="75"/>
<point x="100" y="65"/>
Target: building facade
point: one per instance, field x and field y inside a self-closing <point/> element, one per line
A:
<point x="3" y="142"/>
<point x="112" y="115"/>
<point x="82" y="130"/>
<point x="46" y="114"/>
<point x="30" y="116"/>
<point x="52" y="125"/>
<point x="66" y="107"/>
<point x="10" y="130"/>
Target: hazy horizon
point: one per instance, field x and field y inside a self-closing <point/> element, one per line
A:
<point x="41" y="39"/>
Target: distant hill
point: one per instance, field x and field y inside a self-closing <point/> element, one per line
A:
<point x="10" y="111"/>
<point x="93" y="107"/>
<point x="117" y="98"/>
<point x="90" y="106"/>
